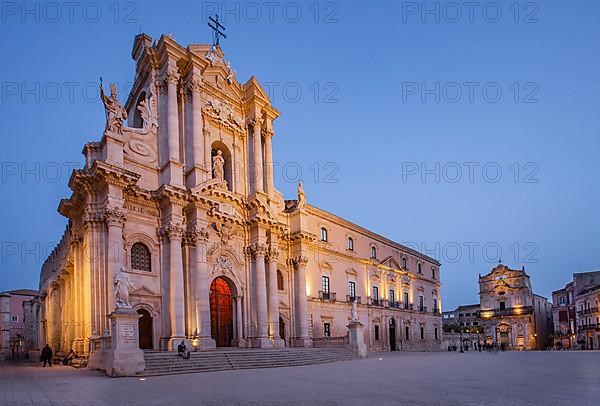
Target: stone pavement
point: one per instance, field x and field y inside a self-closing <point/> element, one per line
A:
<point x="408" y="379"/>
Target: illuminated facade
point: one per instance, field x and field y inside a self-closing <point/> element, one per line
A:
<point x="513" y="316"/>
<point x="177" y="207"/>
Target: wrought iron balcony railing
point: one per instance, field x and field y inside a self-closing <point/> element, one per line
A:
<point x="351" y="299"/>
<point x="327" y="296"/>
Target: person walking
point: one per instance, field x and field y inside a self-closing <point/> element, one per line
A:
<point x="46" y="355"/>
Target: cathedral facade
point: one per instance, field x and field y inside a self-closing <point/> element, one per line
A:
<point x="175" y="216"/>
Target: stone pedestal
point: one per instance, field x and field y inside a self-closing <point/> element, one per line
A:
<point x="302" y="342"/>
<point x="202" y="344"/>
<point x="357" y="339"/>
<point x="124" y="357"/>
<point x="174" y="342"/>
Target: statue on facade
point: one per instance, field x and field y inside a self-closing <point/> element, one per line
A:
<point x="301" y="196"/>
<point x="219" y="166"/>
<point x="122" y="286"/>
<point x="354" y="312"/>
<point x="146" y="109"/>
<point x="115" y="113"/>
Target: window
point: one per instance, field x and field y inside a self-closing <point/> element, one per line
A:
<point x="323" y="234"/>
<point x="404" y="263"/>
<point x="475" y="323"/>
<point x="502" y="305"/>
<point x="373" y="252"/>
<point x="392" y="296"/>
<point x="420" y="267"/>
<point x="421" y="302"/>
<point x="376" y="333"/>
<point x="140" y="257"/>
<point x="350" y="244"/>
<point x="15" y="319"/>
<point x="406" y="298"/>
<point x="435" y="308"/>
<point x="407" y="333"/>
<point x="279" y="280"/>
<point x="435" y="332"/>
<point x="422" y="333"/>
<point x="375" y="293"/>
<point x="325" y="284"/>
<point x="326" y="330"/>
<point x="432" y="273"/>
<point x="352" y="289"/>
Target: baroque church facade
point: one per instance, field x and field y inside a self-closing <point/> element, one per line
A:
<point x="175" y="215"/>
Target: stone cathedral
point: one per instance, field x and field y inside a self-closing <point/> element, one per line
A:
<point x="175" y="216"/>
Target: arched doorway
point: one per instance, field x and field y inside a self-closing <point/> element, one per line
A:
<point x="282" y="329"/>
<point x="145" y="330"/>
<point x="221" y="312"/>
<point x="392" y="335"/>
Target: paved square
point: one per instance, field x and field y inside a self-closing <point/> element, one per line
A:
<point x="423" y="379"/>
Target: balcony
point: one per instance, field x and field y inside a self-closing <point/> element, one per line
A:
<point x="436" y="311"/>
<point x="589" y="327"/>
<point x="351" y="299"/>
<point x="511" y="311"/>
<point x="376" y="302"/>
<point x="422" y="309"/>
<point x="327" y="296"/>
<point x="406" y="306"/>
<point x="394" y="304"/>
<point x="589" y="310"/>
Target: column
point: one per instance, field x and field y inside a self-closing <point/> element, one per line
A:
<point x="202" y="295"/>
<point x="273" y="298"/>
<point x="302" y="339"/>
<point x="269" y="162"/>
<point x="115" y="219"/>
<point x="172" y="77"/>
<point x="257" y="162"/>
<point x="239" y="320"/>
<point x="176" y="297"/>
<point x="197" y="141"/>
<point x="5" y="324"/>
<point x="258" y="252"/>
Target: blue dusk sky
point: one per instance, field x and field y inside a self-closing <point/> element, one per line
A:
<point x="470" y="134"/>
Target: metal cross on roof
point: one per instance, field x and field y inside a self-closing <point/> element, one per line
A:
<point x="216" y="26"/>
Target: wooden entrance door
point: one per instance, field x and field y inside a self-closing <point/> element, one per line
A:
<point x="392" y="335"/>
<point x="145" y="330"/>
<point x="221" y="312"/>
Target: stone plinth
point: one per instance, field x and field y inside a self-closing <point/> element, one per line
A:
<point x="123" y="357"/>
<point x="357" y="339"/>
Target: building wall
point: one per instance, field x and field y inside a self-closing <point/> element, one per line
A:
<point x="155" y="192"/>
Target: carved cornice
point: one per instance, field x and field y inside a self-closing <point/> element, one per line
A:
<point x="300" y="261"/>
<point x="257" y="250"/>
<point x="115" y="216"/>
<point x="272" y="254"/>
<point x="173" y="231"/>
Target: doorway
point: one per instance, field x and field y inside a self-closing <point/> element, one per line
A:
<point x="221" y="312"/>
<point x="392" y="329"/>
<point x="145" y="330"/>
<point x="282" y="330"/>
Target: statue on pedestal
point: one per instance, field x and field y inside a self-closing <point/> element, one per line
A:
<point x="115" y="113"/>
<point x="122" y="286"/>
<point x="354" y="312"/>
<point x="219" y="166"/>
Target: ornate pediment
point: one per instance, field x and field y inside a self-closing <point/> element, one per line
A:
<point x="144" y="291"/>
<point x="391" y="263"/>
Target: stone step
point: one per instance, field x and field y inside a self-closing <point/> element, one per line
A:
<point x="168" y="362"/>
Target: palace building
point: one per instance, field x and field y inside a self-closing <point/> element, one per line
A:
<point x="175" y="216"/>
<point x="512" y="316"/>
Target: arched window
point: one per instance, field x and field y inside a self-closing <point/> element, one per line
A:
<point x="279" y="280"/>
<point x="404" y="263"/>
<point x="140" y="258"/>
<point x="138" y="121"/>
<point x="323" y="234"/>
<point x="419" y="267"/>
<point x="373" y="252"/>
<point x="432" y="272"/>
<point x="350" y="244"/>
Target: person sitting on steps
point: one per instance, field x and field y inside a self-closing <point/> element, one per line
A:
<point x="182" y="351"/>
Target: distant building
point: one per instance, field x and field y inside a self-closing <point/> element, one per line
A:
<point x="512" y="315"/>
<point x="466" y="317"/>
<point x="19" y="323"/>
<point x="576" y="313"/>
<point x="563" y="316"/>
